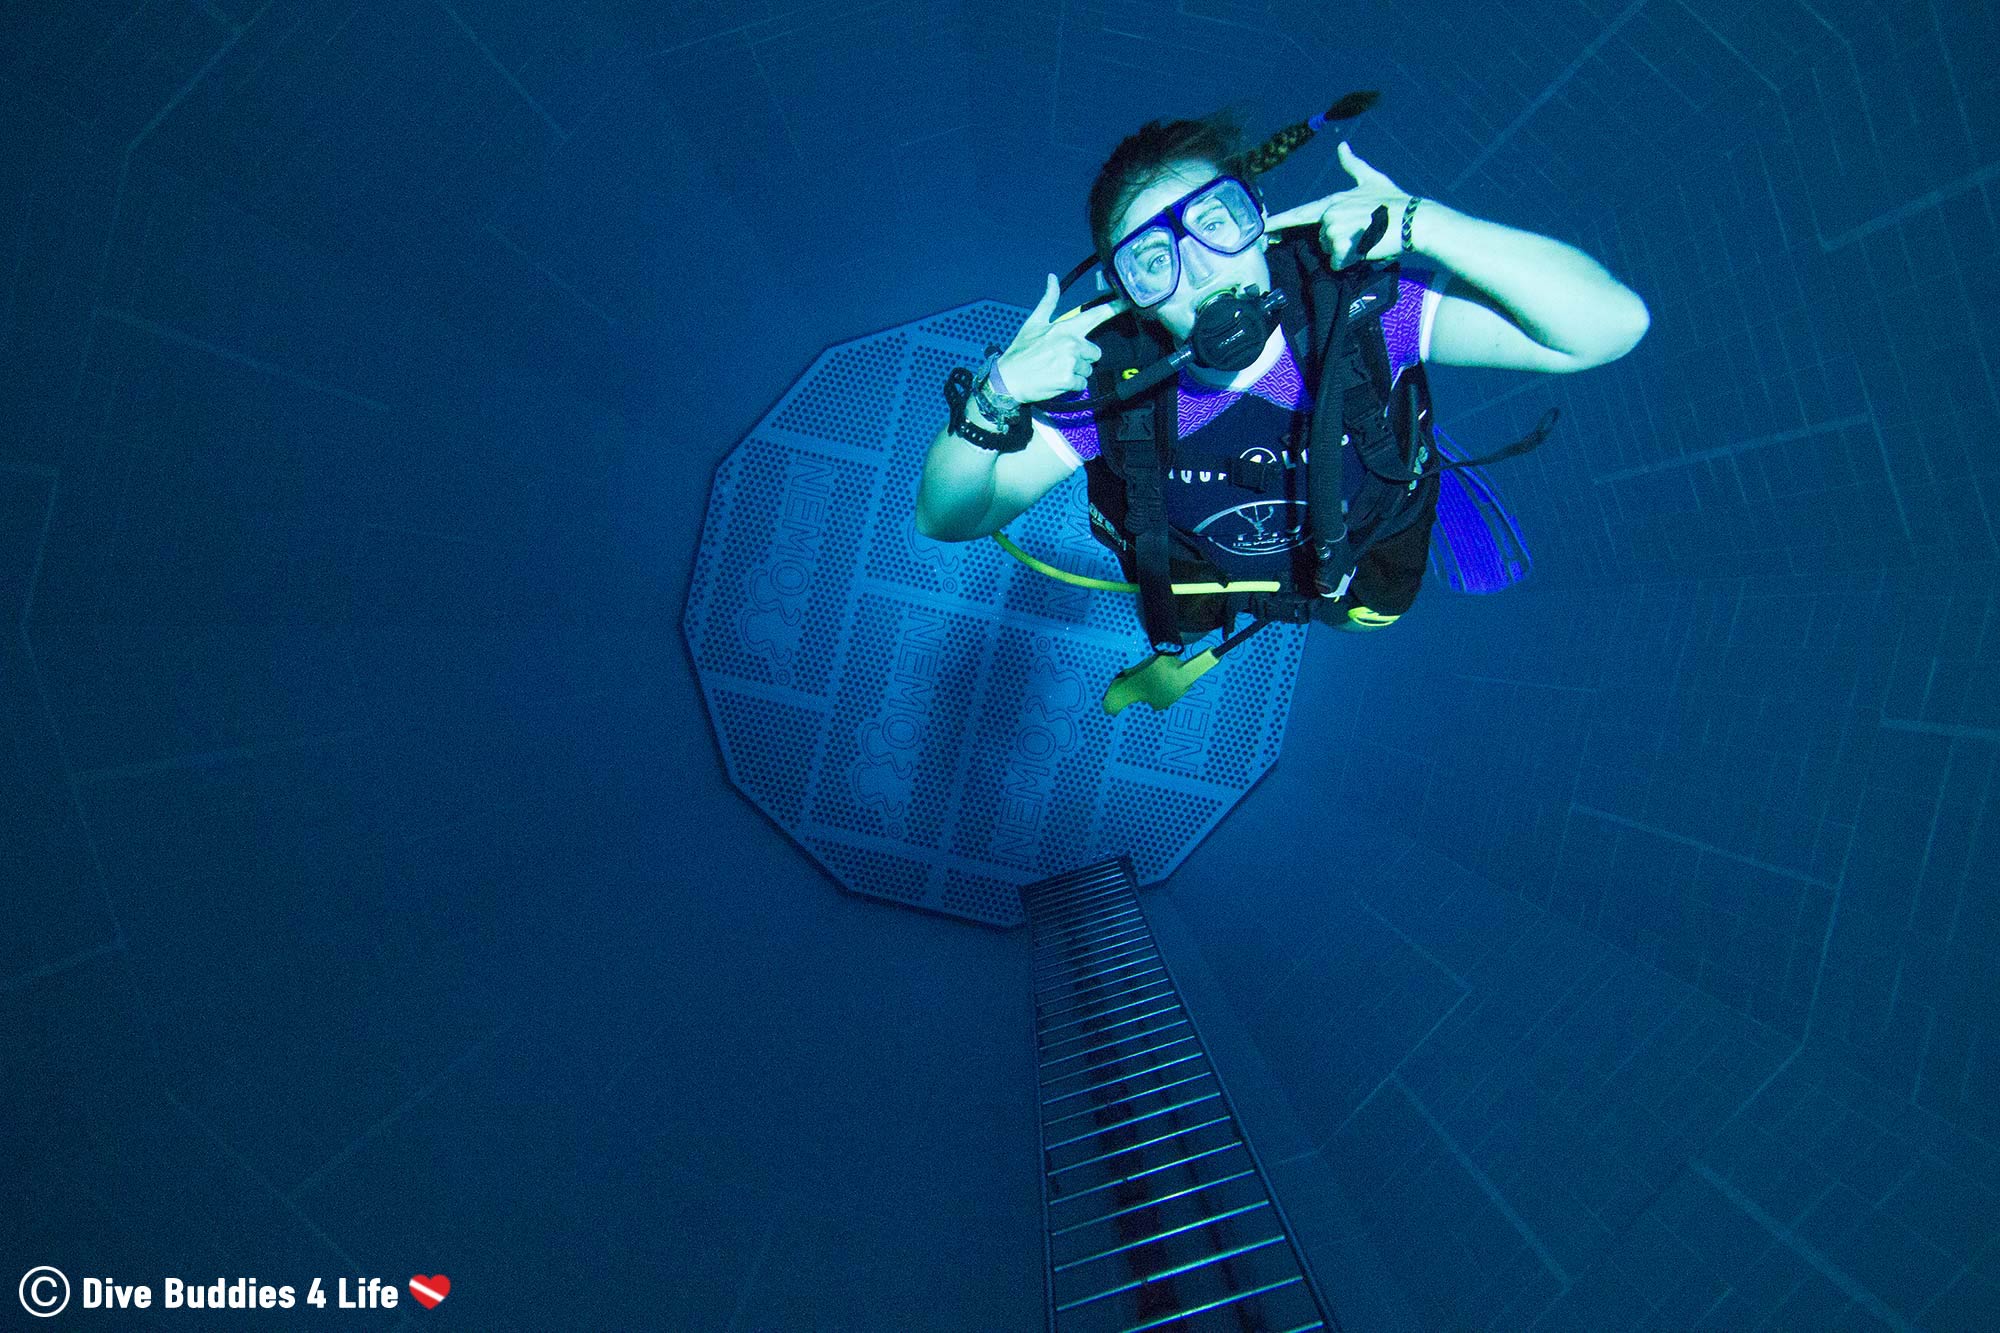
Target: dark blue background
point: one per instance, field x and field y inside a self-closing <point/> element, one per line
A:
<point x="1617" y="952"/>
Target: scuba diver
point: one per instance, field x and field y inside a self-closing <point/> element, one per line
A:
<point x="1254" y="418"/>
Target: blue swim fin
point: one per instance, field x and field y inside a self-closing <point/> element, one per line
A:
<point x="1476" y="546"/>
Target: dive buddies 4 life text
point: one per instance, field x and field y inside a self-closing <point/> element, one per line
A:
<point x="45" y="1292"/>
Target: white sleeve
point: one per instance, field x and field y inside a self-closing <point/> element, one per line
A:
<point x="1058" y="443"/>
<point x="1429" y="315"/>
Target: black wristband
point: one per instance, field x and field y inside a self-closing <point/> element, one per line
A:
<point x="1409" y="216"/>
<point x="957" y="390"/>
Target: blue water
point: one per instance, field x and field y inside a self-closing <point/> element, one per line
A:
<point x="1615" y="951"/>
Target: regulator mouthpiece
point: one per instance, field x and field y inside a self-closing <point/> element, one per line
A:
<point x="1231" y="327"/>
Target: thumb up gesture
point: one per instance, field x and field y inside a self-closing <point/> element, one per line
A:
<point x="1344" y="216"/>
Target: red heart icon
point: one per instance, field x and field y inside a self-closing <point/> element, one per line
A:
<point x="430" y="1290"/>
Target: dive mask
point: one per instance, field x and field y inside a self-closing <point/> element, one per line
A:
<point x="1222" y="217"/>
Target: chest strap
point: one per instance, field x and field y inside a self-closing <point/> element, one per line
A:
<point x="1140" y="428"/>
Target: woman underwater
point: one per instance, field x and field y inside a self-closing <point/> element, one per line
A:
<point x="1178" y="222"/>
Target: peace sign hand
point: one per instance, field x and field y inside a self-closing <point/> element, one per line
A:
<point x="1344" y="216"/>
<point x="1050" y="358"/>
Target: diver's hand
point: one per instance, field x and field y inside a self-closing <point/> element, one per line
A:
<point x="1049" y="358"/>
<point x="1343" y="217"/>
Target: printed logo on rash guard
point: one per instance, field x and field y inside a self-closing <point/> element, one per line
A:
<point x="1262" y="527"/>
<point x="1259" y="527"/>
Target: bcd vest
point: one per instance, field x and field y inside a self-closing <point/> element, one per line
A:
<point x="1333" y="323"/>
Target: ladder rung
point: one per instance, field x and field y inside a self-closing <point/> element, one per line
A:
<point x="1128" y="1077"/>
<point x="1082" y="904"/>
<point x="1143" y="1143"/>
<point x="1168" y="1004"/>
<point x="1136" y="1176"/>
<point x="1151" y="1203"/>
<point x="1052" y="937"/>
<point x="1218" y="1303"/>
<point x="1082" y="891"/>
<point x="1095" y="1107"/>
<point x="1129" y="924"/>
<point x="1092" y="1050"/>
<point x="1178" y="1269"/>
<point x="1102" y="1130"/>
<point x="1051" y="973"/>
<point x="1113" y="981"/>
<point x="1163" y="1235"/>
<point x="1101" y="977"/>
<point x="1103" y="1014"/>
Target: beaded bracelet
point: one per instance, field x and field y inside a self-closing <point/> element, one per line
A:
<point x="957" y="390"/>
<point x="1409" y="215"/>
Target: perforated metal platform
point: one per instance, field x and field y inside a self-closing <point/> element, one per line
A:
<point x="924" y="717"/>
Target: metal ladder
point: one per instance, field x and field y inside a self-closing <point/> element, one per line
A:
<point x="1156" y="1211"/>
